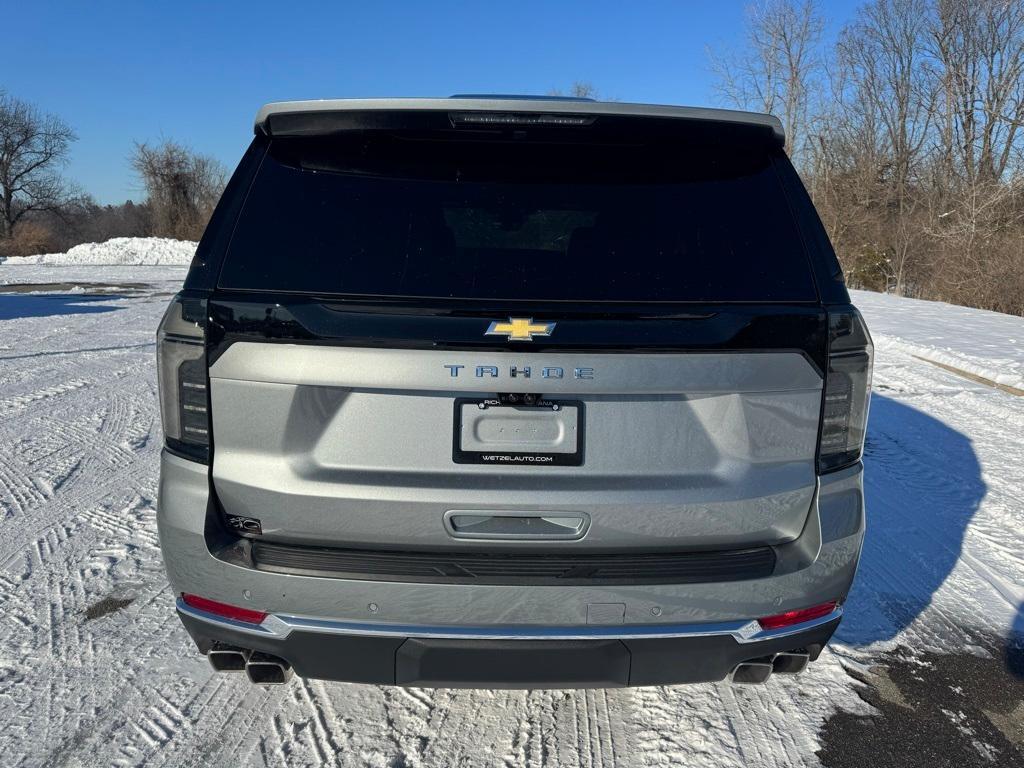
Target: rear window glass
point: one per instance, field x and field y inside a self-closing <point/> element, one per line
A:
<point x="506" y="220"/>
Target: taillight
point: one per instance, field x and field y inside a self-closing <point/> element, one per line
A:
<point x="247" y="615"/>
<point x="789" y="618"/>
<point x="844" y="413"/>
<point x="181" y="373"/>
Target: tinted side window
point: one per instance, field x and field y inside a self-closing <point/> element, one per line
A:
<point x="828" y="272"/>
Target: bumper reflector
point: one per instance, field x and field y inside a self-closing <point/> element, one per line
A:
<point x="223" y="609"/>
<point x="790" y="618"/>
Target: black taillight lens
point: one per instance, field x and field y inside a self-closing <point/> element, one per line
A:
<point x="844" y="414"/>
<point x="182" y="377"/>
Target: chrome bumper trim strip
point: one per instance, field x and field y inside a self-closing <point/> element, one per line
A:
<point x="279" y="626"/>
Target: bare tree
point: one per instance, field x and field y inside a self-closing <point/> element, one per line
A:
<point x="183" y="187"/>
<point x="977" y="247"/>
<point x="33" y="147"/>
<point x="581" y="89"/>
<point x="893" y="94"/>
<point x="844" y="152"/>
<point x="977" y="213"/>
<point x="780" y="69"/>
<point x="909" y="133"/>
<point x="979" y="45"/>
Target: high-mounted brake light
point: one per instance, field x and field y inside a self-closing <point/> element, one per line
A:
<point x="223" y="609"/>
<point x="181" y="373"/>
<point x="847" y="391"/>
<point x="789" y="618"/>
<point x="517" y="118"/>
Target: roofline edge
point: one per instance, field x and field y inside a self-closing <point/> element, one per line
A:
<point x="625" y="109"/>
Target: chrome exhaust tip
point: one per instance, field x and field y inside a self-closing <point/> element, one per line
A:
<point x="790" y="662"/>
<point x="264" y="669"/>
<point x="226" y="658"/>
<point x="752" y="672"/>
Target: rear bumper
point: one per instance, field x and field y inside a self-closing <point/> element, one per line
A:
<point x="367" y="631"/>
<point x="493" y="657"/>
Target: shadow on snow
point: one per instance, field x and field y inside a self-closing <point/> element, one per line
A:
<point x="923" y="484"/>
<point x="50" y="304"/>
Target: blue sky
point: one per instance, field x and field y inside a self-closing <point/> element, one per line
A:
<point x="121" y="72"/>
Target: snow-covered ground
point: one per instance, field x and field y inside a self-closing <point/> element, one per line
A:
<point x="118" y="251"/>
<point x="986" y="344"/>
<point x="96" y="670"/>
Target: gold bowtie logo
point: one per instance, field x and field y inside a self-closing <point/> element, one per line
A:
<point x="520" y="329"/>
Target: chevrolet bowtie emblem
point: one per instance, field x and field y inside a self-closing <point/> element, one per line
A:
<point x="520" y="329"/>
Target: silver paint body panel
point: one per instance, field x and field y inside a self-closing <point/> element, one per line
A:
<point x="334" y="445"/>
<point x="825" y="575"/>
<point x="353" y="447"/>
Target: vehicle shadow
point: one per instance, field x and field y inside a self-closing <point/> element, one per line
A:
<point x="923" y="484"/>
<point x="1015" y="645"/>
<point x="50" y="304"/>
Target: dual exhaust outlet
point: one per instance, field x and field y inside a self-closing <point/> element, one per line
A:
<point x="757" y="671"/>
<point x="261" y="668"/>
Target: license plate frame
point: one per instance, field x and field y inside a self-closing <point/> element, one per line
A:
<point x="505" y="457"/>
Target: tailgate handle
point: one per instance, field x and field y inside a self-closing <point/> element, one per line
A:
<point x="515" y="524"/>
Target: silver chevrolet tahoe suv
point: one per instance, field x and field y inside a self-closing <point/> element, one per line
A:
<point x="512" y="392"/>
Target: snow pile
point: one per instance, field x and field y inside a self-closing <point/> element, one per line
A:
<point x="986" y="344"/>
<point x="118" y="251"/>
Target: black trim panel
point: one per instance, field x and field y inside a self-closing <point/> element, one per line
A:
<point x="209" y="258"/>
<point x="430" y="663"/>
<point x="828" y="274"/>
<point x="445" y="122"/>
<point x="468" y="567"/>
<point x="510" y="663"/>
<point x="426" y="324"/>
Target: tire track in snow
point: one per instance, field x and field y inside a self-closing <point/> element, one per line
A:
<point x="20" y="402"/>
<point x="17" y="492"/>
<point x="228" y="721"/>
<point x="91" y="535"/>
